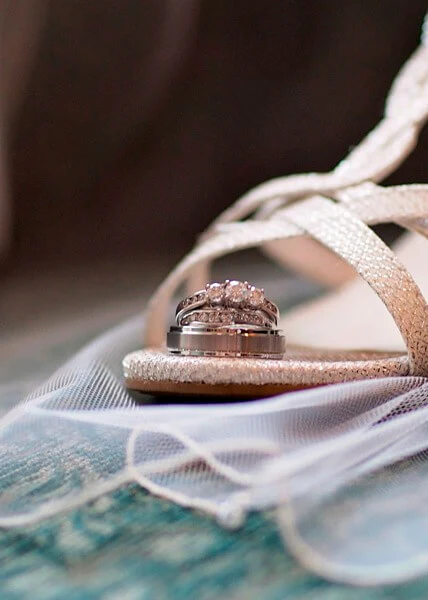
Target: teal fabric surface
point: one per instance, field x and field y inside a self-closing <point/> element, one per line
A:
<point x="129" y="545"/>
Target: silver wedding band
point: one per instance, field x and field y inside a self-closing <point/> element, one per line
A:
<point x="248" y="343"/>
<point x="229" y="319"/>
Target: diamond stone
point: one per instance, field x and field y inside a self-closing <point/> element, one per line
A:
<point x="215" y="293"/>
<point x="236" y="293"/>
<point x="255" y="298"/>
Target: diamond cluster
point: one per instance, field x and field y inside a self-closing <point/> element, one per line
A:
<point x="234" y="294"/>
<point x="192" y="300"/>
<point x="230" y="302"/>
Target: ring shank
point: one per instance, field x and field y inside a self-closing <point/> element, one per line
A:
<point x="257" y="343"/>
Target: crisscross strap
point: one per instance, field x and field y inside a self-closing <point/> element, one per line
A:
<point x="345" y="234"/>
<point x="378" y="155"/>
<point x="342" y="231"/>
<point x="350" y="183"/>
<point x="324" y="266"/>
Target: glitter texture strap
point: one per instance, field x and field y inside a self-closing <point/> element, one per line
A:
<point x="282" y="211"/>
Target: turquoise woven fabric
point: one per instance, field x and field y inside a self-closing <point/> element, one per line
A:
<point x="129" y="545"/>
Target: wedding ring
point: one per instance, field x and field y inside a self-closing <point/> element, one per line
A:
<point x="231" y="294"/>
<point x="229" y="342"/>
<point x="230" y="319"/>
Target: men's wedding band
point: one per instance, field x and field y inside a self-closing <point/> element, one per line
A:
<point x="228" y="342"/>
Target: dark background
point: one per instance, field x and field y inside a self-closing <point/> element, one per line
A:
<point x="130" y="124"/>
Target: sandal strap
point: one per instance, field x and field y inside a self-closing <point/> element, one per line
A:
<point x="346" y="235"/>
<point x="342" y="231"/>
<point x="375" y="157"/>
<point x="371" y="203"/>
<point x="378" y="155"/>
<point x="366" y="200"/>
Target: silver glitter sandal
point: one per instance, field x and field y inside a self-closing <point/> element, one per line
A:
<point x="229" y="339"/>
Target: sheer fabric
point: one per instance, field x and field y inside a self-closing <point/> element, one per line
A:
<point x="345" y="466"/>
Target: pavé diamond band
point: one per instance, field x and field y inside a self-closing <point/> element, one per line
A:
<point x="227" y="316"/>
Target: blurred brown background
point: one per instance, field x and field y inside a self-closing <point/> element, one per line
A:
<point x="129" y="124"/>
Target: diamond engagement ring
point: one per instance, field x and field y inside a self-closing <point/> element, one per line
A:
<point x="230" y="319"/>
<point x="229" y="299"/>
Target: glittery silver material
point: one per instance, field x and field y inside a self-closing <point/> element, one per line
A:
<point x="301" y="367"/>
<point x="343" y="233"/>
